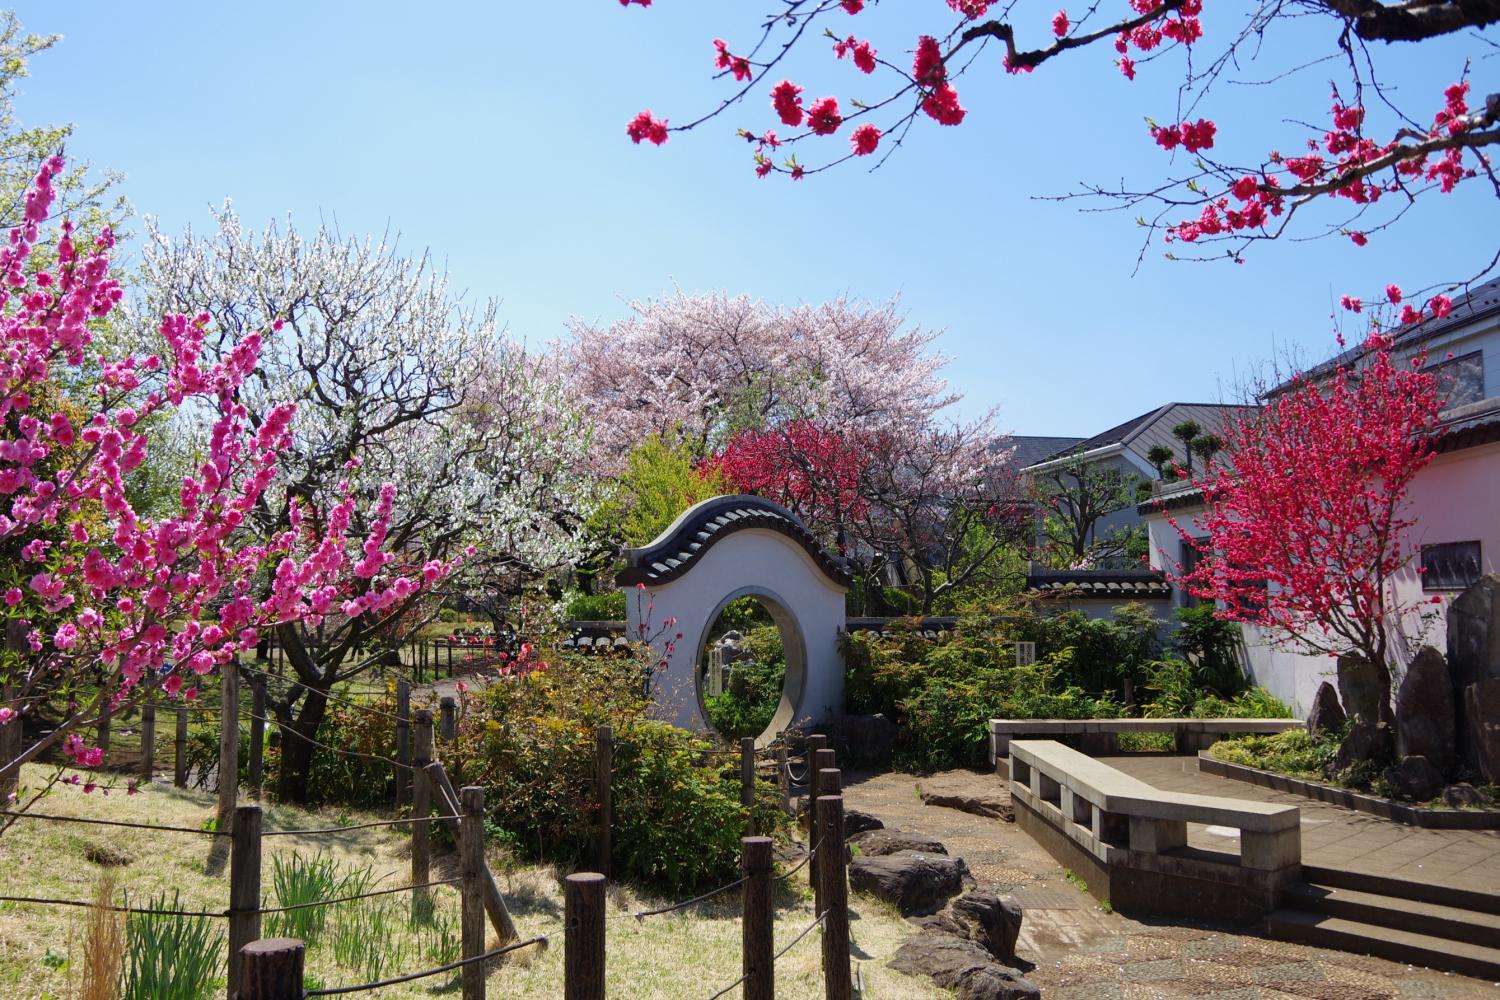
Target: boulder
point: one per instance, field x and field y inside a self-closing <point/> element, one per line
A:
<point x="963" y="966"/>
<point x="982" y="795"/>
<point x="982" y="917"/>
<point x="1424" y="710"/>
<point x="858" y="821"/>
<point x="1415" y="778"/>
<point x="1463" y="796"/>
<point x="879" y="843"/>
<point x="1361" y="688"/>
<point x="1366" y="741"/>
<point x="1482" y="728"/>
<point x="1326" y="712"/>
<point x="914" y="883"/>
<point x="1474" y="633"/>
<point x="865" y="739"/>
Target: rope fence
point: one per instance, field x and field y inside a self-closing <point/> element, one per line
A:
<point x="411" y="977"/>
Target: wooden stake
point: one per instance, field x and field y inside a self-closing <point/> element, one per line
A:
<point x="244" y="888"/>
<point x="604" y="764"/>
<point x="449" y="718"/>
<point x="257" y="736"/>
<point x="421" y="833"/>
<point x="583" y="943"/>
<point x="757" y="920"/>
<point x="747" y="782"/>
<point x="837" y="984"/>
<point x="179" y="762"/>
<point x="148" y="741"/>
<point x="403" y="743"/>
<point x="229" y="744"/>
<point x="272" y="969"/>
<point x="471" y="847"/>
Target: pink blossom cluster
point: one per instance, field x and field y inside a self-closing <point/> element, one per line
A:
<point x="151" y="600"/>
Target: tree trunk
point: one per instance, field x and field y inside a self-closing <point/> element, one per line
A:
<point x="296" y="751"/>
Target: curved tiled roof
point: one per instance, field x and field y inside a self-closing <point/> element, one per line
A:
<point x="704" y="524"/>
<point x="1148" y="583"/>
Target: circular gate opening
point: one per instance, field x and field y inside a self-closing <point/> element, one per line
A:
<point x="750" y="667"/>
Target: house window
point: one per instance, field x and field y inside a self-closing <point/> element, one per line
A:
<point x="1460" y="379"/>
<point x="1190" y="560"/>
<point x="1450" y="566"/>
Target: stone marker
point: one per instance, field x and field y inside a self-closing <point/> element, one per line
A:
<point x="1359" y="688"/>
<point x="1326" y="712"/>
<point x="1424" y="710"/>
<point x="1474" y="633"/>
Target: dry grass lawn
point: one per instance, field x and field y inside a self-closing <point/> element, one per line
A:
<point x="688" y="955"/>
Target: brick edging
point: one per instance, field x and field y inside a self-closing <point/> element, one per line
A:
<point x="1434" y="819"/>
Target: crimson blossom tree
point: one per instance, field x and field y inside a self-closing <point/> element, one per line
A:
<point x="104" y="605"/>
<point x="1305" y="524"/>
<point x="811" y="469"/>
<point x="1373" y="167"/>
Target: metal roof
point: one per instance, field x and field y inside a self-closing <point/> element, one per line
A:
<point x="1140" y="434"/>
<point x="705" y="524"/>
<point x="1033" y="448"/>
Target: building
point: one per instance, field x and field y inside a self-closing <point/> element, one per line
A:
<point x="1454" y="500"/>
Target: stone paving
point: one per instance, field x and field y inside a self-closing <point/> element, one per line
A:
<point x="1334" y="837"/>
<point x="1080" y="952"/>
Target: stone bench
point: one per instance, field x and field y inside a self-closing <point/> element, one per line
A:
<point x="1101" y="736"/>
<point x="1130" y="838"/>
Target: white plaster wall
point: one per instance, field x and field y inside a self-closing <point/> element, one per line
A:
<point x="751" y="560"/>
<point x="1456" y="498"/>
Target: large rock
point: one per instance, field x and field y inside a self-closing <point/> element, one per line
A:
<point x="1464" y="796"/>
<point x="982" y="917"/>
<point x="914" y="883"/>
<point x="1366" y="741"/>
<point x="855" y="820"/>
<point x="1424" y="710"/>
<point x="879" y="843"/>
<point x="1482" y="728"/>
<point x="1474" y="633"/>
<point x="1361" y="687"/>
<point x="1326" y="712"/>
<point x="963" y="966"/>
<point x="982" y="795"/>
<point x="1415" y="778"/>
<point x="865" y="739"/>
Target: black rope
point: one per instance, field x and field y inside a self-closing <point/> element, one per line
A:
<point x="643" y="914"/>
<point x="336" y="990"/>
<point x="348" y="899"/>
<point x="114" y="909"/>
<point x="731" y="986"/>
<point x="358" y="826"/>
<point x="113" y="822"/>
<point x="805" y="932"/>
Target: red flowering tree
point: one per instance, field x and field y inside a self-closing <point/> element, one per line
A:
<point x="1207" y="206"/>
<point x="1305" y="528"/>
<point x="814" y="470"/>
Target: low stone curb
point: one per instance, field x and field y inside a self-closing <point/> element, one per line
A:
<point x="1432" y="819"/>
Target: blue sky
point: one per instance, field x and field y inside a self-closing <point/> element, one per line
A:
<point x="493" y="133"/>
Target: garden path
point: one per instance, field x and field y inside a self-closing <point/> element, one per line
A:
<point x="1081" y="952"/>
<point x="1334" y="837"/>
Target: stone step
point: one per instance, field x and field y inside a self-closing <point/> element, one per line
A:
<point x="1384" y="885"/>
<point x="1326" y="931"/>
<point x="1452" y="923"/>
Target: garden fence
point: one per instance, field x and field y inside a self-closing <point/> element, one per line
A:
<point x="272" y="970"/>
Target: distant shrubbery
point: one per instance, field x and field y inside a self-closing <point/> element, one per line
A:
<point x="943" y="694"/>
<point x="752" y="687"/>
<point x="608" y="607"/>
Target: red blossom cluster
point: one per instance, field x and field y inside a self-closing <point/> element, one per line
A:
<point x="861" y="51"/>
<point x="644" y="126"/>
<point x="1305" y="523"/>
<point x="805" y="466"/>
<point x="724" y="59"/>
<point x="1185" y="28"/>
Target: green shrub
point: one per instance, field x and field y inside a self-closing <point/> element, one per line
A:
<point x="1294" y="753"/>
<point x="298" y="880"/>
<point x="753" y="687"/>
<point x="1212" y="644"/>
<point x="341" y="778"/>
<point x="608" y="607"/>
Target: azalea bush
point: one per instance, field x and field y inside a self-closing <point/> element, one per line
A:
<point x="530" y="741"/>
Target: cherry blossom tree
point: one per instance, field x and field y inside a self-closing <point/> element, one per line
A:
<point x="104" y="606"/>
<point x="697" y="369"/>
<point x="396" y="381"/>
<point x="1366" y="153"/>
<point x="1305" y="527"/>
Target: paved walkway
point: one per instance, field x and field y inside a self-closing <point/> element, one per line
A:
<point x="1334" y="837"/>
<point x="1080" y="952"/>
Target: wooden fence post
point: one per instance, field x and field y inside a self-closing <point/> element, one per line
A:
<point x="179" y="761"/>
<point x="604" y="766"/>
<point x="148" y="740"/>
<point x="450" y="656"/>
<point x="271" y="969"/>
<point x="10" y="749"/>
<point x="747" y="782"/>
<point x="448" y="708"/>
<point x="830" y="782"/>
<point x="494" y="903"/>
<point x="837" y="983"/>
<point x="818" y="761"/>
<point x="757" y="920"/>
<point x="229" y="744"/>
<point x="583" y="938"/>
<point x="421" y="808"/>
<point x="257" y="735"/>
<point x="244" y="889"/>
<point x="471" y="844"/>
<point x="783" y="780"/>
<point x="403" y="743"/>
